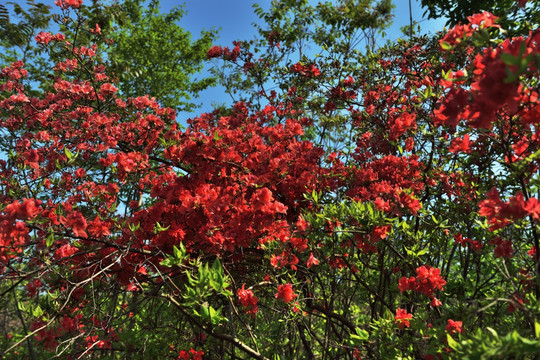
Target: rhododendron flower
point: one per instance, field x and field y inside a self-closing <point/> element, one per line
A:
<point x="43" y="37"/>
<point x="435" y="302"/>
<point x="312" y="260"/>
<point x="285" y="293"/>
<point x="379" y="232"/>
<point x="248" y="300"/>
<point x="65" y="251"/>
<point x="461" y="145"/>
<point x="32" y="287"/>
<point x="427" y="281"/>
<point x="532" y="252"/>
<point x="214" y="52"/>
<point x="306" y="70"/>
<point x="402" y="318"/>
<point x="454" y="326"/>
<point x="132" y="287"/>
<point x="485" y="19"/>
<point x="66" y="4"/>
<point x="503" y="249"/>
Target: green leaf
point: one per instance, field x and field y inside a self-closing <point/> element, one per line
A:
<point x="362" y="334"/>
<point x="453" y="344"/>
<point x="509" y="59"/>
<point x="68" y="153"/>
<point x="179" y="251"/>
<point x="204" y="311"/>
<point x="492" y="331"/>
<point x="159" y="228"/>
<point x="37" y="311"/>
<point x="446" y="46"/>
<point x="49" y="240"/>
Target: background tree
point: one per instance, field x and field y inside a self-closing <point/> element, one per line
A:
<point x="149" y="52"/>
<point x="517" y="17"/>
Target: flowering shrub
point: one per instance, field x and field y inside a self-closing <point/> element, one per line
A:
<point x="355" y="214"/>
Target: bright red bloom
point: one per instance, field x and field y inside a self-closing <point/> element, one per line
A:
<point x="435" y="302"/>
<point x="484" y="20"/>
<point x="501" y="214"/>
<point x="461" y="145"/>
<point x="214" y="52"/>
<point x="248" y="300"/>
<point x="66" y="4"/>
<point x="43" y="38"/>
<point x="306" y="70"/>
<point x="427" y="281"/>
<point x="197" y="355"/>
<point x="402" y="318"/>
<point x="454" y="326"/>
<point x="312" y="260"/>
<point x="285" y="293"/>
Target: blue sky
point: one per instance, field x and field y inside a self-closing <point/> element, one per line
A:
<point x="235" y="17"/>
<point x="235" y="20"/>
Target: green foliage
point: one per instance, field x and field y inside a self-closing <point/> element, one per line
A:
<point x="487" y="344"/>
<point x="512" y="18"/>
<point x="147" y="51"/>
<point x="152" y="54"/>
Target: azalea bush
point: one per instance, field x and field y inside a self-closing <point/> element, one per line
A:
<point x="375" y="204"/>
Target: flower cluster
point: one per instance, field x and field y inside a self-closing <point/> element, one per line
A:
<point x="500" y="213"/>
<point x="248" y="300"/>
<point x="66" y="4"/>
<point x="308" y="70"/>
<point x="285" y="293"/>
<point x="477" y="21"/>
<point x="225" y="52"/>
<point x="427" y="281"/>
<point x="454" y="327"/>
<point x="402" y="318"/>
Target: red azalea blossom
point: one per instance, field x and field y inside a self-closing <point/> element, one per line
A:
<point x="214" y="52"/>
<point x="43" y="38"/>
<point x="435" y="302"/>
<point x="454" y="327"/>
<point x="285" y="293"/>
<point x="402" y="318"/>
<point x="248" y="300"/>
<point x="66" y="4"/>
<point x="312" y="260"/>
<point x="427" y="281"/>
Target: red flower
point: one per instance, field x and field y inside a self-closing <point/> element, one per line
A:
<point x="312" y="260"/>
<point x="43" y="38"/>
<point x="285" y="293"/>
<point x="78" y="224"/>
<point x="214" y="52"/>
<point x="503" y="249"/>
<point x="435" y="302"/>
<point x="485" y="19"/>
<point x="427" y="280"/>
<point x="461" y="145"/>
<point x="402" y="318"/>
<point x="454" y="326"/>
<point x="66" y="4"/>
<point x="248" y="300"/>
